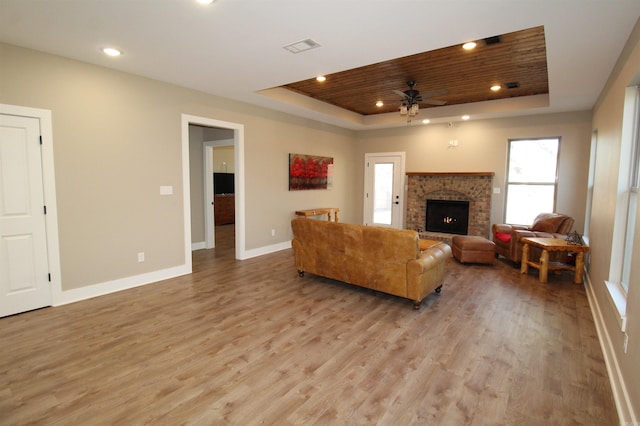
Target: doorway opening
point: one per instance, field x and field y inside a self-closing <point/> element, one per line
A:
<point x="219" y="186"/>
<point x="235" y="137"/>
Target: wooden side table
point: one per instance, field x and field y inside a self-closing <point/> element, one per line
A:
<point x="314" y="212"/>
<point x="549" y="245"/>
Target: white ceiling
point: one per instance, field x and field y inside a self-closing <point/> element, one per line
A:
<point x="233" y="48"/>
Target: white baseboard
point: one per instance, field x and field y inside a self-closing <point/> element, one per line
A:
<point x="198" y="246"/>
<point x="266" y="250"/>
<point x="625" y="410"/>
<point x="82" y="293"/>
<point x="78" y="294"/>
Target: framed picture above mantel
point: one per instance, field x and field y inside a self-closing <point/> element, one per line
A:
<point x="310" y="172"/>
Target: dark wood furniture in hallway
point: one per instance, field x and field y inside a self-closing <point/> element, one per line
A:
<point x="224" y="209"/>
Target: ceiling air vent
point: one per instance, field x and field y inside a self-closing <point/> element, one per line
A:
<point x="512" y="85"/>
<point x="301" y="46"/>
<point x="492" y="40"/>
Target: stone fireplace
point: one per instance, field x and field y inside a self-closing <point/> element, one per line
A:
<point x="474" y="188"/>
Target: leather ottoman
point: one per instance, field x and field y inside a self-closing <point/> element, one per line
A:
<point x="470" y="249"/>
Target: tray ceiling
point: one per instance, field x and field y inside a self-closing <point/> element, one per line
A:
<point x="515" y="61"/>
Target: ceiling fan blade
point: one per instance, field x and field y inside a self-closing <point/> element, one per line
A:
<point x="401" y="94"/>
<point x="433" y="102"/>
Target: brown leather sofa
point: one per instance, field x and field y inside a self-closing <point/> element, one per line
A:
<point x="382" y="259"/>
<point x="507" y="238"/>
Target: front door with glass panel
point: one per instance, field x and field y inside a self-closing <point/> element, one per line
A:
<point x="384" y="192"/>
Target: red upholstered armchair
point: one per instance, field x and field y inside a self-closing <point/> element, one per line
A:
<point x="546" y="225"/>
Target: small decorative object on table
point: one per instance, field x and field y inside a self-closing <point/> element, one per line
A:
<point x="575" y="239"/>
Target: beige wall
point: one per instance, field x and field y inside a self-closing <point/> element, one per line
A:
<point x="482" y="147"/>
<point x="117" y="139"/>
<point x="223" y="159"/>
<point x="607" y="119"/>
<point x="271" y="200"/>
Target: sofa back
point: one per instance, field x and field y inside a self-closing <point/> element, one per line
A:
<point x="552" y="223"/>
<point x="369" y="256"/>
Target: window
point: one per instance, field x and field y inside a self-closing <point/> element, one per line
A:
<point x="634" y="187"/>
<point x="590" y="182"/>
<point x="531" y="179"/>
<point x="624" y="220"/>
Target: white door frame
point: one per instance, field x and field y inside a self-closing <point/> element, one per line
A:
<point x="49" y="187"/>
<point x="209" y="219"/>
<point x="238" y="145"/>
<point x="368" y="179"/>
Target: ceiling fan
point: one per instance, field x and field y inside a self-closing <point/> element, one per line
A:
<point x="413" y="97"/>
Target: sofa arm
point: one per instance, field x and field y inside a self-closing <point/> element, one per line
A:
<point x="501" y="228"/>
<point x="518" y="234"/>
<point x="504" y="228"/>
<point x="430" y="257"/>
<point x="426" y="273"/>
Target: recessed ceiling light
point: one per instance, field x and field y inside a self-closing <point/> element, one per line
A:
<point x="469" y="45"/>
<point x="110" y="51"/>
<point x="205" y="1"/>
<point x="321" y="78"/>
<point x="426" y="121"/>
<point x="496" y="87"/>
<point x="379" y="103"/>
<point x="465" y="117"/>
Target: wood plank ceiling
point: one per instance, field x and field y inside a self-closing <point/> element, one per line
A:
<point x="514" y="59"/>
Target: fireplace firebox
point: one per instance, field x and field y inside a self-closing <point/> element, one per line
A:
<point x="451" y="217"/>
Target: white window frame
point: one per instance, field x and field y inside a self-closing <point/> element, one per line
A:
<point x="554" y="184"/>
<point x="626" y="205"/>
<point x="590" y="182"/>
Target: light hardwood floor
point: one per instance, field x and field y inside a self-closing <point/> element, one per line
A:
<point x="249" y="342"/>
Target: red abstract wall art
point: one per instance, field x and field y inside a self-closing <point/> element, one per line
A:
<point x="310" y="172"/>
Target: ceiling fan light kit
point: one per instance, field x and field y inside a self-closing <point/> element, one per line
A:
<point x="412" y="98"/>
<point x="410" y="110"/>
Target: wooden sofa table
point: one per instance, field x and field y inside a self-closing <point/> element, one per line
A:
<point x="314" y="212"/>
<point x="550" y="245"/>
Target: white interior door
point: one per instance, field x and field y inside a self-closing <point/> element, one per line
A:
<point x="24" y="270"/>
<point x="384" y="189"/>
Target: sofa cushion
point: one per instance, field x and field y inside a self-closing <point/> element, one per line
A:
<point x="547" y="222"/>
